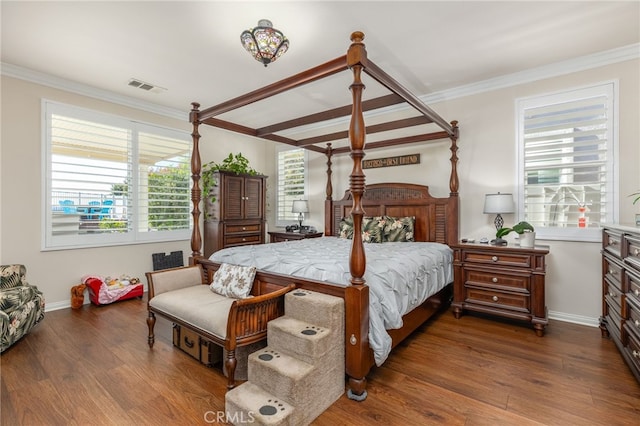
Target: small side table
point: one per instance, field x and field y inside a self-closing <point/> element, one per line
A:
<point x="507" y="281"/>
<point x="278" y="237"/>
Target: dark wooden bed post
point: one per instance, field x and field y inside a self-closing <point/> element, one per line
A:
<point x="196" y="166"/>
<point x="328" y="211"/>
<point x="357" y="294"/>
<point x="453" y="229"/>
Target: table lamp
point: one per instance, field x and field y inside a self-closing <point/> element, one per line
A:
<point x="301" y="207"/>
<point x="498" y="204"/>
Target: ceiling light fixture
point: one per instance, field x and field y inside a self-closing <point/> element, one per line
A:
<point x="264" y="43"/>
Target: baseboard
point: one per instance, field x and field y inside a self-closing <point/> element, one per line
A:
<point x="576" y="319"/>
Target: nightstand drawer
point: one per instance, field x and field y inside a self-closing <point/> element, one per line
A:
<point x="496" y="258"/>
<point x="510" y="301"/>
<point x="497" y="279"/>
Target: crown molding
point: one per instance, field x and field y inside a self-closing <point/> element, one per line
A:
<point x="48" y="80"/>
<point x="600" y="59"/>
<point x="583" y="63"/>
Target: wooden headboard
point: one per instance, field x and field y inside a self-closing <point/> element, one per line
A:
<point x="436" y="218"/>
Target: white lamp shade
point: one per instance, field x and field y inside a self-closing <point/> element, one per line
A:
<point x="498" y="203"/>
<point x="300" y="206"/>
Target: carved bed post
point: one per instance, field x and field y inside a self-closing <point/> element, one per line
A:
<point x="357" y="294"/>
<point x="328" y="203"/>
<point x="453" y="231"/>
<point x="196" y="166"/>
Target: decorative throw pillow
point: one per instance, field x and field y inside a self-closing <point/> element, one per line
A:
<point x="233" y="281"/>
<point x="346" y="228"/>
<point x="372" y="228"/>
<point x="399" y="229"/>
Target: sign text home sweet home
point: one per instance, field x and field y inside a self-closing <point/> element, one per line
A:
<point x="401" y="160"/>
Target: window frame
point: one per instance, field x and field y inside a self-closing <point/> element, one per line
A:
<point x="610" y="90"/>
<point x="50" y="242"/>
<point x="280" y="222"/>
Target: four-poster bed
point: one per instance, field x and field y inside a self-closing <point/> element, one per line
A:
<point x="436" y="219"/>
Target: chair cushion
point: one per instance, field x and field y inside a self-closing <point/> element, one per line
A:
<point x="12" y="275"/>
<point x="233" y="280"/>
<point x="197" y="306"/>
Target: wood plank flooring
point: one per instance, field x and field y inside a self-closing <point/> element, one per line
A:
<point x="93" y="367"/>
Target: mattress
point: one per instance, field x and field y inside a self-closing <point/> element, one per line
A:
<point x="400" y="275"/>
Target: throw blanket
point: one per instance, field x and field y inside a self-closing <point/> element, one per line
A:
<point x="400" y="276"/>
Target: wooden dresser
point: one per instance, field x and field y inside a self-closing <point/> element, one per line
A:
<point x="237" y="216"/>
<point x="621" y="291"/>
<point x="507" y="281"/>
<point x="278" y="237"/>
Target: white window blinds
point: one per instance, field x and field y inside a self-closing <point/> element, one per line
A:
<point x="566" y="165"/>
<point x="291" y="182"/>
<point x="112" y="181"/>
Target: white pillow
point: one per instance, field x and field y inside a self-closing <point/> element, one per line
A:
<point x="233" y="281"/>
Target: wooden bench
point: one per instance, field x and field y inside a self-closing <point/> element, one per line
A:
<point x="182" y="295"/>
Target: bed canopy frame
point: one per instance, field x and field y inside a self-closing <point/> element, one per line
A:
<point x="358" y="358"/>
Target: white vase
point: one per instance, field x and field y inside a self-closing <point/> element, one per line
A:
<point x="528" y="239"/>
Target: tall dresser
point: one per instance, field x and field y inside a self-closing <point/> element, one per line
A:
<point x="621" y="291"/>
<point x="237" y="216"/>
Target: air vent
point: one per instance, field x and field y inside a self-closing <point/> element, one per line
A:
<point x="148" y="87"/>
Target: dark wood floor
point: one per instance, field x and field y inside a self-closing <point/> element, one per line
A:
<point x="93" y="367"/>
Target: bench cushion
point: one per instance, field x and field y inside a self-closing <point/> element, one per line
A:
<point x="197" y="306"/>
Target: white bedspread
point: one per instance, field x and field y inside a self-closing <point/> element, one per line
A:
<point x="400" y="276"/>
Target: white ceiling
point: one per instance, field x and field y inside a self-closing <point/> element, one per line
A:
<point x="193" y="50"/>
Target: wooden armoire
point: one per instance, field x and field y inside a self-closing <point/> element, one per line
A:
<point x="237" y="216"/>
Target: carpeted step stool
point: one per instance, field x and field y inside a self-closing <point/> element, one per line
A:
<point x="301" y="371"/>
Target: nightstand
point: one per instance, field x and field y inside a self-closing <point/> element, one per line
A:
<point x="278" y="237"/>
<point x="507" y="281"/>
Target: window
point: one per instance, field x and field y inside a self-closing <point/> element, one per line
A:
<point x="112" y="181"/>
<point x="566" y="157"/>
<point x="292" y="183"/>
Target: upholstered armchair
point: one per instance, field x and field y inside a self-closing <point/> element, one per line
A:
<point x="21" y="304"/>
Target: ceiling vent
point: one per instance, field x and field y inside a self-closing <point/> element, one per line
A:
<point x="148" y="87"/>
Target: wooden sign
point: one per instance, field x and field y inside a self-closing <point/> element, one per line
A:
<point x="401" y="160"/>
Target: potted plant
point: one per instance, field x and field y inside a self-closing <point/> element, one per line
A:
<point x="524" y="229"/>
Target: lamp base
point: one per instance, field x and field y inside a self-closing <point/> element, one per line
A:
<point x="499" y="242"/>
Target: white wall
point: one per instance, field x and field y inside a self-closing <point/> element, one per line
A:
<point x="487" y="163"/>
<point x="55" y="272"/>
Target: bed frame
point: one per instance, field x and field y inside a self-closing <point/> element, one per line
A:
<point x="436" y="218"/>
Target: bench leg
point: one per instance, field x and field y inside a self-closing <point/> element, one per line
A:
<point x="151" y="323"/>
<point x="230" y="365"/>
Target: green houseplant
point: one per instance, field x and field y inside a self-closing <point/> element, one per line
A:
<point x="524" y="229"/>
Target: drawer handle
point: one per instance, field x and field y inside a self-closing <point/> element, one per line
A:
<point x="637" y="323"/>
<point x="613" y="242"/>
<point x="613" y="272"/>
<point x="636" y="292"/>
<point x="612" y="294"/>
<point x="495" y="298"/>
<point x="494" y="279"/>
<point x="188" y="343"/>
<point x="494" y="258"/>
<point x="244" y="239"/>
<point x="636" y="252"/>
<point x="244" y="228"/>
<point x="636" y="354"/>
